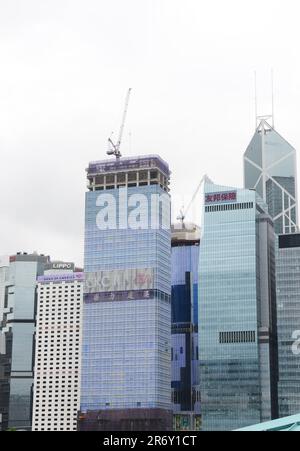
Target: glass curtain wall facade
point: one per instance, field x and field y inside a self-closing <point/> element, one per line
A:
<point x="184" y="352"/>
<point x="237" y="311"/>
<point x="18" y="330"/>
<point x="288" y="313"/>
<point x="270" y="168"/>
<point x="4" y="362"/>
<point x="126" y="368"/>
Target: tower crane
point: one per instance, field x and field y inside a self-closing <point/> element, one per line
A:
<point x="114" y="149"/>
<point x="184" y="212"/>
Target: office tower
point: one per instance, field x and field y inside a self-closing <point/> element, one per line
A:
<point x="126" y="359"/>
<point x="184" y="351"/>
<point x="4" y="362"/>
<point x="4" y="264"/>
<point x="237" y="310"/>
<point x="18" y="332"/>
<point x="58" y="348"/>
<point x="270" y="168"/>
<point x="288" y="317"/>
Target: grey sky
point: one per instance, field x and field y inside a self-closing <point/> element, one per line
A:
<point x="66" y="66"/>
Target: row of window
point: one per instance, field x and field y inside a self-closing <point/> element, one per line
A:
<point x="52" y="379"/>
<point x="51" y="355"/>
<point x="237" y="337"/>
<point x="55" y="288"/>
<point x="229" y="207"/>
<point x="59" y="395"/>
<point x="121" y="176"/>
<point x="59" y="347"/>
<point x="58" y="292"/>
<point x="70" y="366"/>
<point x="129" y="185"/>
<point x="54" y="334"/>
<point x="57" y="322"/>
<point x="42" y="429"/>
<point x="67" y="399"/>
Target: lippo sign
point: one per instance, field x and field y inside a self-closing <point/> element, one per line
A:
<point x="60" y="266"/>
<point x="218" y="198"/>
<point x="119" y="280"/>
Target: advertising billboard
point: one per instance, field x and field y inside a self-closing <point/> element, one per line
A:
<point x="119" y="280"/>
<point x="55" y="278"/>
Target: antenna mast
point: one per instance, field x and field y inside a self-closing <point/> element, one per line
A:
<point x="255" y="98"/>
<point x="272" y="81"/>
<point x="114" y="149"/>
<point x="268" y="116"/>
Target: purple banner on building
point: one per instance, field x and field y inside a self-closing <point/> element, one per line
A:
<point x="70" y="277"/>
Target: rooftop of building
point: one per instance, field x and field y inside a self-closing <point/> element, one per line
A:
<point x="128" y="163"/>
<point x="27" y="257"/>
<point x="184" y="234"/>
<point x="291" y="423"/>
<point x="219" y="194"/>
<point x="61" y="266"/>
<point x="128" y="173"/>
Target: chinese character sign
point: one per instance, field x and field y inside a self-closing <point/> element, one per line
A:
<point x="218" y="198"/>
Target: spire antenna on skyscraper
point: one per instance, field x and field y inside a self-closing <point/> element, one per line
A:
<point x="272" y="83"/>
<point x="265" y="117"/>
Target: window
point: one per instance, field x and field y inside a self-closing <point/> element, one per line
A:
<point x="228" y="207"/>
<point x="132" y="176"/>
<point x="237" y="337"/>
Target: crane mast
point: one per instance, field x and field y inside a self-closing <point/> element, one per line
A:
<point x="114" y="149"/>
<point x="184" y="212"/>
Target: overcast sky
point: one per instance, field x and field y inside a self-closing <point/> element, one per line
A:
<point x="66" y="66"/>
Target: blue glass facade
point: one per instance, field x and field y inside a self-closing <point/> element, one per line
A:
<point x="237" y="310"/>
<point x="288" y="314"/>
<point x="4" y="354"/>
<point x="184" y="352"/>
<point x="18" y="331"/>
<point x="126" y="329"/>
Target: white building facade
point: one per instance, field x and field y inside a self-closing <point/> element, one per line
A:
<point x="58" y="349"/>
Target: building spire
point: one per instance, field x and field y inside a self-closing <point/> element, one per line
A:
<point x="266" y="117"/>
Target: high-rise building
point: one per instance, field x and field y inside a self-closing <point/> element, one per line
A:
<point x="288" y="314"/>
<point x="184" y="351"/>
<point x="17" y="332"/>
<point x="4" y="361"/>
<point x="58" y="348"/>
<point x="126" y="357"/>
<point x="237" y="310"/>
<point x="270" y="169"/>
